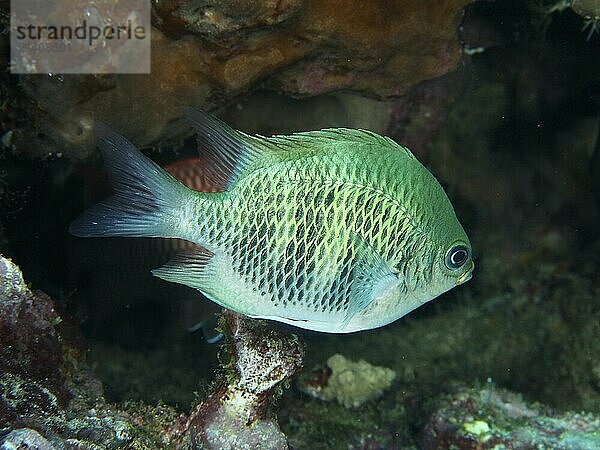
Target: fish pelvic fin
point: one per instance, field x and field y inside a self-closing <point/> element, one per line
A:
<point x="189" y="268"/>
<point x="210" y="329"/>
<point x="147" y="200"/>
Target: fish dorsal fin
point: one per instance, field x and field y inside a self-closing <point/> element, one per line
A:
<point x="337" y="135"/>
<point x="372" y="275"/>
<point x="189" y="268"/>
<point x="228" y="152"/>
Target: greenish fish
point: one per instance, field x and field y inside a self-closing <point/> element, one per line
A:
<point x="337" y="230"/>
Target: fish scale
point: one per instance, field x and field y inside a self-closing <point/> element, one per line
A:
<point x="293" y="224"/>
<point x="336" y="230"/>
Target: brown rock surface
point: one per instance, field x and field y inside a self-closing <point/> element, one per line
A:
<point x="205" y="55"/>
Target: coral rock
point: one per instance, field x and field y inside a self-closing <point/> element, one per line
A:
<point x="48" y="399"/>
<point x="25" y="438"/>
<point x="30" y="346"/>
<point x="236" y="415"/>
<point x="349" y="383"/>
<point x="498" y="419"/>
<point x="206" y="54"/>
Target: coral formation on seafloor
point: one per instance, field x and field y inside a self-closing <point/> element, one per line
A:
<point x="48" y="399"/>
<point x="238" y="415"/>
<point x="496" y="419"/>
<point x="350" y="383"/>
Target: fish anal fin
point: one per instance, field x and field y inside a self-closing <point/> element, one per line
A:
<point x="189" y="268"/>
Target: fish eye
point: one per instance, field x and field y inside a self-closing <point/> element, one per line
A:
<point x="456" y="257"/>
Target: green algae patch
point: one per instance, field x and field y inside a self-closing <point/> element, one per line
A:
<point x="478" y="428"/>
<point x="328" y="425"/>
<point x="152" y="423"/>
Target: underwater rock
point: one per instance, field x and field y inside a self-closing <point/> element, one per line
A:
<point x="498" y="419"/>
<point x="48" y="399"/>
<point x="217" y="22"/>
<point x="237" y="414"/>
<point x="350" y="383"/>
<point x="268" y="113"/>
<point x="30" y="346"/>
<point x="415" y="118"/>
<point x="25" y="438"/>
<point x="205" y="55"/>
<point x="379" y="49"/>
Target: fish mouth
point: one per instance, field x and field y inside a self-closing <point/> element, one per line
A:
<point x="465" y="276"/>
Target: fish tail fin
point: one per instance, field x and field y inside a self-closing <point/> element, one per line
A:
<point x="146" y="198"/>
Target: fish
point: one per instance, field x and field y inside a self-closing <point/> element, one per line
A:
<point x="337" y="230"/>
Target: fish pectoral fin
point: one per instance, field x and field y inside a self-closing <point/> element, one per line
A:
<point x="372" y="275"/>
<point x="228" y="152"/>
<point x="189" y="268"/>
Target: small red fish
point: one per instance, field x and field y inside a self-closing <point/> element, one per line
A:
<point x="192" y="173"/>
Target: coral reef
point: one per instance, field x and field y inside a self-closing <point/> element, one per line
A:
<point x="310" y="47"/>
<point x="237" y="414"/>
<point x="498" y="419"/>
<point x="48" y="398"/>
<point x="31" y="346"/>
<point x="350" y="383"/>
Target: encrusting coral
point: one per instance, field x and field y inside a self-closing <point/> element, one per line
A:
<point x="237" y="414"/>
<point x="350" y="383"/>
